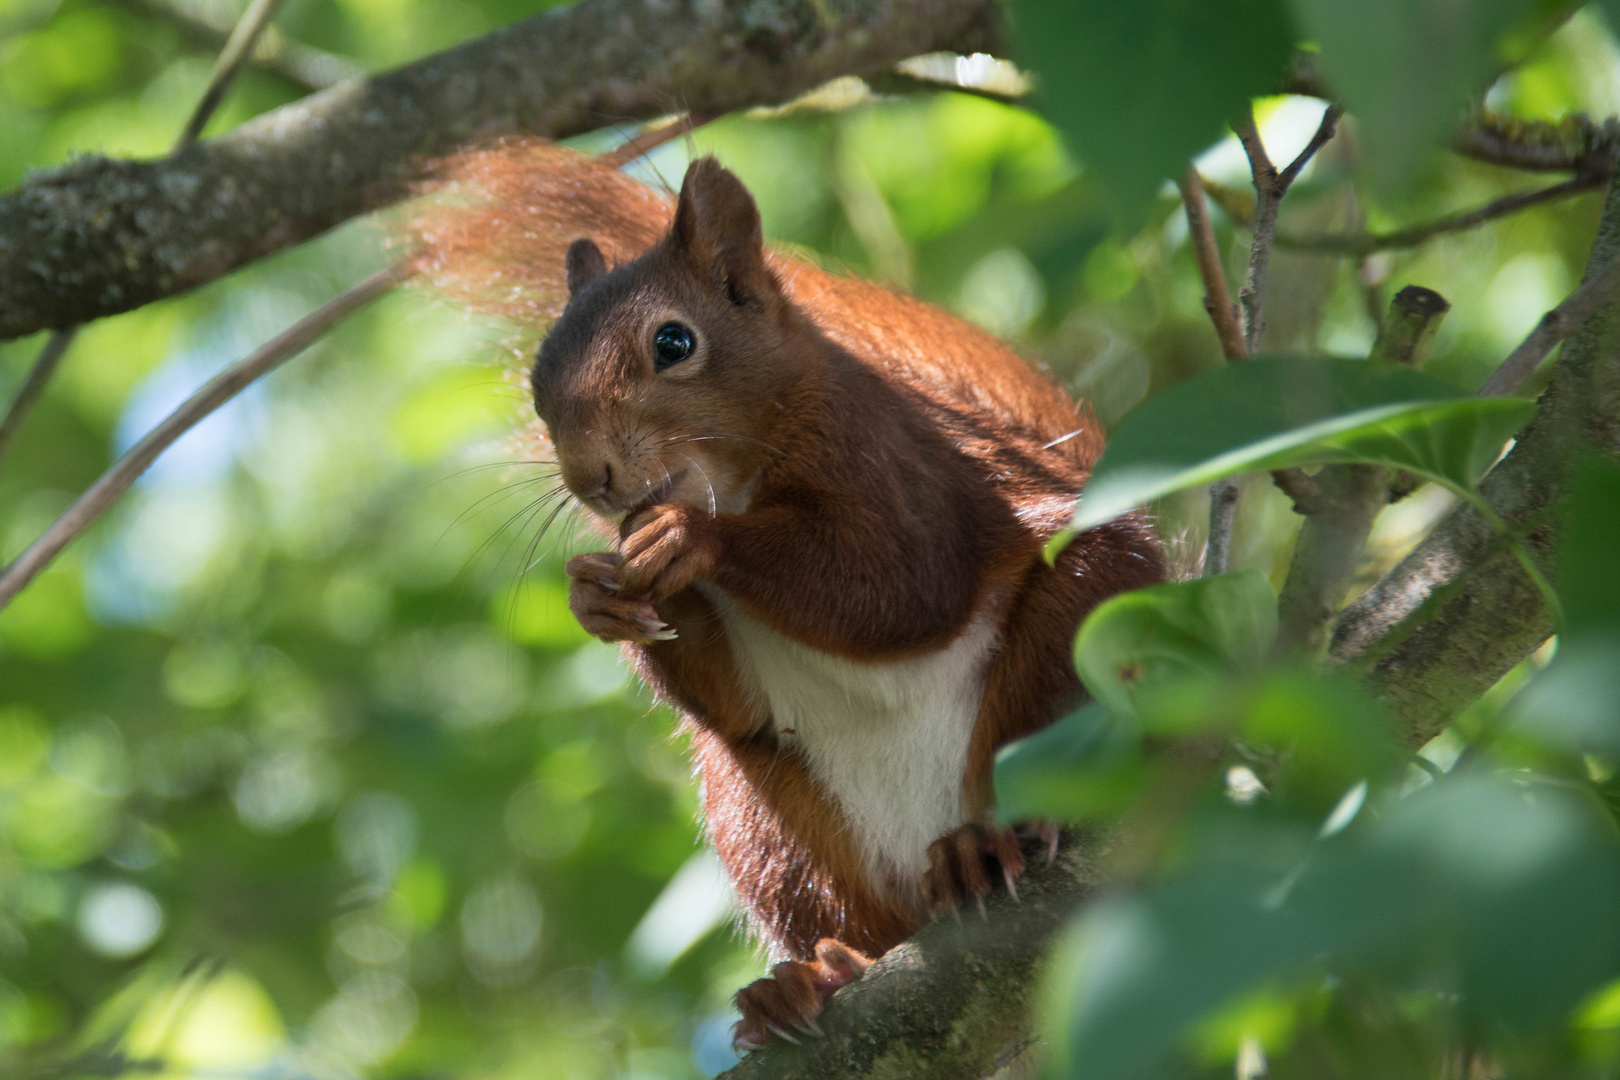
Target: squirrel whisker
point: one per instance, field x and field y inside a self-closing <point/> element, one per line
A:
<point x="739" y="438"/>
<point x="713" y="504"/>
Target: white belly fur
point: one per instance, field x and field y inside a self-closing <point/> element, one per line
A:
<point x="887" y="742"/>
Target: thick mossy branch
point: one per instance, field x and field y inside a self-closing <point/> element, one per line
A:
<point x="1459" y="612"/>
<point x="954" y="1001"/>
<point x="101" y="236"/>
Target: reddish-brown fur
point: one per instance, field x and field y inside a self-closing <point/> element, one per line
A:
<point x="882" y="472"/>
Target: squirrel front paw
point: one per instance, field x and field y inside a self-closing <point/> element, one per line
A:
<point x="593" y="597"/>
<point x="960" y="862"/>
<point x="665" y="547"/>
<point x="793" y="994"/>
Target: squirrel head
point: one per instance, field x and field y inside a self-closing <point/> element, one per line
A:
<point x="663" y="378"/>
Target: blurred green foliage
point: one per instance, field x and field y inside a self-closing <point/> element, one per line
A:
<point x="305" y="770"/>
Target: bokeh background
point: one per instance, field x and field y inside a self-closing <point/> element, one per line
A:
<point x="305" y="770"/>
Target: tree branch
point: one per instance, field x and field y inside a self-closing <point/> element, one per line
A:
<point x="1217" y="297"/>
<point x="954" y="1000"/>
<point x="1594" y="292"/>
<point x="34" y="383"/>
<point x="1459" y="612"/>
<point x="127" y="469"/>
<point x="249" y="28"/>
<point x="1366" y="243"/>
<point x="1575" y="143"/>
<point x="1351" y="496"/>
<point x="100" y="236"/>
<point x="1269" y="186"/>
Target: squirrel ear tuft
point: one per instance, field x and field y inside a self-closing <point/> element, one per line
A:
<point x="583" y="264"/>
<point x="717" y="229"/>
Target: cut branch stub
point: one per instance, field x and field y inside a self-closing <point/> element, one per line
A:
<point x="1408" y="330"/>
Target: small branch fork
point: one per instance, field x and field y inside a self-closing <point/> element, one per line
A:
<point x="1270" y="186"/>
<point x="231" y="58"/>
<point x="1238" y="343"/>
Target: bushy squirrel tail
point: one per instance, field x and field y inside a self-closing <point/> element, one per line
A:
<point x="495" y="235"/>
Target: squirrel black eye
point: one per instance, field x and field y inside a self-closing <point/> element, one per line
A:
<point x="671" y="344"/>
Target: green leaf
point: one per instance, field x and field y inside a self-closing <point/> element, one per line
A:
<point x="1590" y="576"/>
<point x="1139" y="88"/>
<point x="1149" y="640"/>
<point x="1084" y="765"/>
<point x="1503" y="891"/>
<point x="1575" y="704"/>
<point x="1407" y="68"/>
<point x="1272" y="413"/>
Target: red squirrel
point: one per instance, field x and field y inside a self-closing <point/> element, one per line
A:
<point x="828" y="502"/>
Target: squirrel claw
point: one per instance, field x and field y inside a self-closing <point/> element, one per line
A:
<point x="960" y="865"/>
<point x="793" y="994"/>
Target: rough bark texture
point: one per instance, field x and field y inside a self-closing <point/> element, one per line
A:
<point x="1459" y="612"/>
<point x="100" y="236"/>
<point x="952" y="1003"/>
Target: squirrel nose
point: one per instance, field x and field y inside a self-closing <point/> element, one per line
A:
<point x="607" y="482"/>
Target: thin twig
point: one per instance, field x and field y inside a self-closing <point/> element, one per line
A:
<point x="1223" y="501"/>
<point x="1365" y="243"/>
<point x="652" y="138"/>
<point x="1223" y="494"/>
<point x="34" y="383"/>
<point x="1269" y="186"/>
<point x="124" y="472"/>
<point x="305" y="66"/>
<point x="230" y="60"/>
<point x="1217" y="298"/>
<point x="1554" y="327"/>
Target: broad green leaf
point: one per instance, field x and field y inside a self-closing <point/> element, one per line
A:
<point x="1590" y="576"/>
<point x="1407" y="68"/>
<point x="1575" y="704"/>
<point x="1150" y="639"/>
<point x="1271" y="413"/>
<point x="1081" y="766"/>
<point x="1138" y="89"/>
<point x="1323" y="733"/>
<point x="1501" y="892"/>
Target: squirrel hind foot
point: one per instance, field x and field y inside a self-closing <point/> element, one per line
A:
<point x="791" y="997"/>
